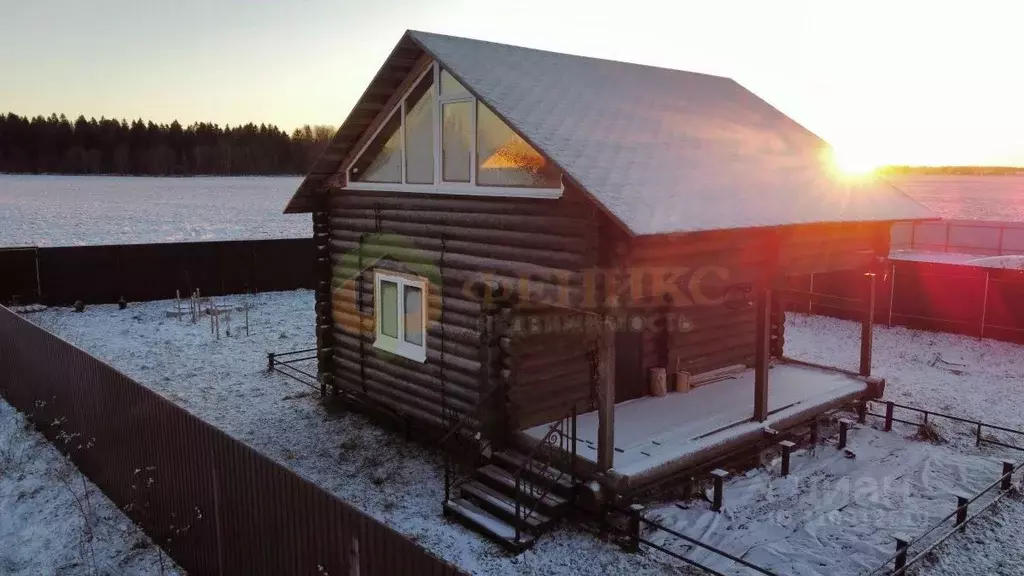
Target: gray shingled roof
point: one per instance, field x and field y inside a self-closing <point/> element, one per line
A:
<point x="664" y="150"/>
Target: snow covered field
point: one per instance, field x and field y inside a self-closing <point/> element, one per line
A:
<point x="77" y="210"/>
<point x="82" y="210"/>
<point x="224" y="381"/>
<point x="968" y="197"/>
<point x="54" y="521"/>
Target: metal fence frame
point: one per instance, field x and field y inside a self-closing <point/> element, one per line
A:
<point x="981" y="237"/>
<point x="214" y="504"/>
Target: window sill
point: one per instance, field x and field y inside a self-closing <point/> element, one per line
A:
<point x="394" y="346"/>
<point x="458" y="190"/>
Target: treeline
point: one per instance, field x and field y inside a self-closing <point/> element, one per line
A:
<point x="950" y="170"/>
<point x="55" y="145"/>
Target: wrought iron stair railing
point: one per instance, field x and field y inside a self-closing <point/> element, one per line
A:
<point x="558" y="448"/>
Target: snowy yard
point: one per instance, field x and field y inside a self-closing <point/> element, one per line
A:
<point x="837" y="515"/>
<point x="54" y="521"/>
<point x="225" y="382"/>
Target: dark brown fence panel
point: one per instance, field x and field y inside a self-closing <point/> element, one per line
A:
<point x="18" y="275"/>
<point x="970" y="300"/>
<point x="216" y="505"/>
<point x="143" y="272"/>
<point x="1004" y="306"/>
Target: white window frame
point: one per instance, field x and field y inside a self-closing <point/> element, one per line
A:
<point x="440" y="186"/>
<point x="399" y="345"/>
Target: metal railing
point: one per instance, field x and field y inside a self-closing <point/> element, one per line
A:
<point x="560" y="439"/>
<point x="899" y="560"/>
<point x="979" y="427"/>
<point x="284" y="363"/>
<point x="462" y="453"/>
<point x="636" y="538"/>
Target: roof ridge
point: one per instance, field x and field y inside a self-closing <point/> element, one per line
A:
<point x="412" y="32"/>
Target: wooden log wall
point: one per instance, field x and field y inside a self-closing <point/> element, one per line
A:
<point x="711" y="322"/>
<point x="533" y="247"/>
<point x="548" y="364"/>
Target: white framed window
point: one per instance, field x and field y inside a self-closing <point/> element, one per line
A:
<point x="441" y="139"/>
<point x="400" y="314"/>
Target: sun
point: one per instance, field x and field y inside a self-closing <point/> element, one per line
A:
<point x="852" y="164"/>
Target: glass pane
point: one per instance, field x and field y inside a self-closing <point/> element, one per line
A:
<point x="388" y="308"/>
<point x="382" y="159"/>
<point x="450" y="86"/>
<point x="414" y="315"/>
<point x="505" y="159"/>
<point x="456" y="140"/>
<point x="419" y="133"/>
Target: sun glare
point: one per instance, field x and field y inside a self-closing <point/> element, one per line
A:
<point x="847" y="165"/>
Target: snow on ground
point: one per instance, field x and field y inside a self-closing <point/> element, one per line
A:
<point x="401" y="483"/>
<point x="960" y="375"/>
<point x="38" y="210"/>
<point x="54" y="521"/>
<point x="836" y="515"/>
<point x="225" y="382"/>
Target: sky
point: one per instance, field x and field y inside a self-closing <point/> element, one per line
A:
<point x="885" y="82"/>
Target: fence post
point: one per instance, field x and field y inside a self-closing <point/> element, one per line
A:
<point x="867" y="326"/>
<point x="984" y="304"/>
<point x="787" y="449"/>
<point x="844" y="426"/>
<point x="961" y="511"/>
<point x="719" y="476"/>
<point x="814" y="432"/>
<point x="862" y="411"/>
<point x="1007" y="475"/>
<point x="902" y="543"/>
<point x="889" y="407"/>
<point x="635" y="510"/>
<point x="892" y="292"/>
<point x="270" y="361"/>
<point x="977" y="441"/>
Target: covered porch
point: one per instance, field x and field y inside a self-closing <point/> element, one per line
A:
<point x="657" y="436"/>
<point x="633" y="443"/>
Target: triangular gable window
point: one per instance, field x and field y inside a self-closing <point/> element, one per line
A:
<point x="449" y="142"/>
<point x="382" y="159"/>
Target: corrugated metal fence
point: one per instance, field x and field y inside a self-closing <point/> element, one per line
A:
<point x="216" y="505"/>
<point x="973" y="300"/>
<point x="142" y="272"/>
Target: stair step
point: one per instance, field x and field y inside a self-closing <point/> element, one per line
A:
<point x="497" y="529"/>
<point x="503" y="506"/>
<point x="501" y="479"/>
<point x="538" y="471"/>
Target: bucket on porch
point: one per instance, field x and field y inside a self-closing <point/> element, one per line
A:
<point x="682" y="381"/>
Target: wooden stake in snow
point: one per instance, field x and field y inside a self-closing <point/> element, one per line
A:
<point x="659" y="386"/>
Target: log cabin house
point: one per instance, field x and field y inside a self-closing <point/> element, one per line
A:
<point x="576" y="266"/>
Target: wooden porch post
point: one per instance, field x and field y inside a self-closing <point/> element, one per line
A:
<point x="867" y="327"/>
<point x="761" y="354"/>
<point x="606" y="399"/>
